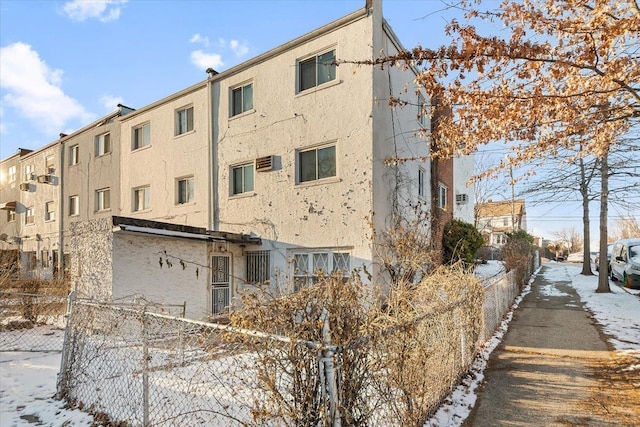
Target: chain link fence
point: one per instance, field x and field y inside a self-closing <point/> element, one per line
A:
<point x="127" y="364"/>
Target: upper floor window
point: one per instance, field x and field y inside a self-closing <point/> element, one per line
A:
<point x="49" y="211"/>
<point x="421" y="182"/>
<point x="29" y="173"/>
<point x="258" y="266"/>
<point x="184" y="120"/>
<point x="442" y="196"/>
<point x="103" y="144"/>
<point x="74" y="154"/>
<point x="317" y="163"/>
<point x="12" y="174"/>
<point x="11" y="215"/>
<point x="141" y="198"/>
<point x="241" y="99"/>
<point x="422" y="111"/>
<point x="316" y="70"/>
<point x="505" y="221"/>
<point x="242" y="178"/>
<point x="29" y="218"/>
<point x="74" y="205"/>
<point x="103" y="199"/>
<point x="141" y="136"/>
<point x="50" y="166"/>
<point x="184" y="189"/>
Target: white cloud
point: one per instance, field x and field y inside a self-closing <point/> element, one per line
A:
<point x="205" y="60"/>
<point x="197" y="38"/>
<point x="102" y="10"/>
<point x="35" y="90"/>
<point x="240" y="49"/>
<point x="110" y="102"/>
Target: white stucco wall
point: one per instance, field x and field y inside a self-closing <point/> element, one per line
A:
<point x="462" y="172"/>
<point x="137" y="270"/>
<point x="167" y="158"/>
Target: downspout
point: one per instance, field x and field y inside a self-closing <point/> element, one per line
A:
<point x="61" y="208"/>
<point x="213" y="153"/>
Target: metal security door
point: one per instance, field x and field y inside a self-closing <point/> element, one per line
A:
<point x="220" y="284"/>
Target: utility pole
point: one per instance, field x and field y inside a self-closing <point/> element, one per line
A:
<point x="513" y="200"/>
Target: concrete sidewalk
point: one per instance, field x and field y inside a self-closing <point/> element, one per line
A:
<point x="553" y="368"/>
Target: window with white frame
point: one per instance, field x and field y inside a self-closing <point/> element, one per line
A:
<point x="258" y="266"/>
<point x="141" y="136"/>
<point x="12" y="174"/>
<point x="241" y="99"/>
<point x="49" y="211"/>
<point x="11" y="215"/>
<point x="74" y="205"/>
<point x="309" y="266"/>
<point x="316" y="70"/>
<point x="184" y="120"/>
<point x="442" y="196"/>
<point x="500" y="239"/>
<point x="50" y="166"/>
<point x="74" y="155"/>
<point x="184" y="190"/>
<point x="103" y="199"/>
<point x="421" y="182"/>
<point x="317" y="163"/>
<point x="29" y="218"/>
<point x="29" y="173"/>
<point x="505" y="221"/>
<point x="103" y="144"/>
<point x="141" y="198"/>
<point x="242" y="178"/>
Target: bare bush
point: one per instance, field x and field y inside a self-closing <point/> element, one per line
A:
<point x="518" y="255"/>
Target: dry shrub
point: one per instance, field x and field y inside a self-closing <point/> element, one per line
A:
<point x="393" y="364"/>
<point x="33" y="299"/>
<point x="518" y="255"/>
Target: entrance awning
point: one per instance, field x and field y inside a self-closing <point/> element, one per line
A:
<point x="8" y="205"/>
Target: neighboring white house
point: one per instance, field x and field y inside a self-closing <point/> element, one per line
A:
<point x="496" y="219"/>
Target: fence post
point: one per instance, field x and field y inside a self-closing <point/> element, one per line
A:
<point x="61" y="382"/>
<point x="329" y="370"/>
<point x="145" y="370"/>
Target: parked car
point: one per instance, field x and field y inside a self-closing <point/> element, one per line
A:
<point x="575" y="257"/>
<point x="625" y="262"/>
<point x="597" y="260"/>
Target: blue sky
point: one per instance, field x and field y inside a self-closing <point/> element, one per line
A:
<point x="67" y="63"/>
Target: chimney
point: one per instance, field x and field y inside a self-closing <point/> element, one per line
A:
<point x="211" y="72"/>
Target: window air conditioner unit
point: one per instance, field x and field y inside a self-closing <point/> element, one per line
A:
<point x="264" y="164"/>
<point x="25" y="186"/>
<point x="45" y="179"/>
<point x="462" y="199"/>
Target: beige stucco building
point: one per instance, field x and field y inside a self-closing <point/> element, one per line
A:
<point x="266" y="173"/>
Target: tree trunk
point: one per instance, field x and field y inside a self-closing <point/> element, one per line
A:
<point x="586" y="233"/>
<point x="603" y="277"/>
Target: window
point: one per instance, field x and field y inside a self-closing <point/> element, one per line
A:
<point x="29" y="259"/>
<point x="50" y="166"/>
<point x="505" y="221"/>
<point x="421" y="182"/>
<point x="241" y="99"/>
<point x="11" y="215"/>
<point x="29" y="218"/>
<point x="141" y="198"/>
<point x="12" y="174"/>
<point x="258" y="267"/>
<point x="317" y="70"/>
<point x="184" y="187"/>
<point x="442" y="196"/>
<point x="307" y="267"/>
<point x="500" y="239"/>
<point x="103" y="199"/>
<point x="317" y="163"/>
<point x="242" y="179"/>
<point x="141" y="136"/>
<point x="44" y="258"/>
<point x="74" y="153"/>
<point x="49" y="211"/>
<point x="74" y="205"/>
<point x="29" y="174"/>
<point x="184" y="120"/>
<point x="103" y="144"/>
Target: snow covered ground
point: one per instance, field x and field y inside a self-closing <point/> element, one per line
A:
<point x="28" y="379"/>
